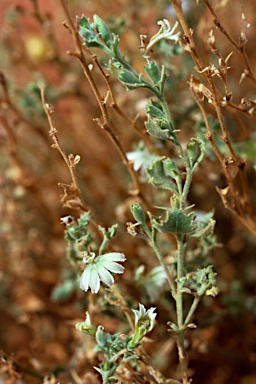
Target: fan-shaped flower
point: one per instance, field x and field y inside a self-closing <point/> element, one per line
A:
<point x="144" y="323"/>
<point x="144" y="318"/>
<point x="98" y="270"/>
<point x="141" y="159"/>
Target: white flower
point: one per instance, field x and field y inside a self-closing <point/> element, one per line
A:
<point x="165" y="33"/>
<point x="144" y="323"/>
<point x="98" y="270"/>
<point x="143" y="318"/>
<point x="141" y="158"/>
<point x="155" y="282"/>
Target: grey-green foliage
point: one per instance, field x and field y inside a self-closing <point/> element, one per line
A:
<point x="111" y="345"/>
<point x="195" y="150"/>
<point x="176" y="221"/>
<point x="178" y="218"/>
<point x="66" y="288"/>
<point x="97" y="34"/>
<point x="163" y="172"/>
<point x="200" y="282"/>
<point x="81" y="239"/>
<point x="78" y="237"/>
<point x="118" y="348"/>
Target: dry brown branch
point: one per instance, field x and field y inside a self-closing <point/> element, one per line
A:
<point x="240" y="202"/>
<point x="105" y="124"/>
<point x="72" y="196"/>
<point x="240" y="47"/>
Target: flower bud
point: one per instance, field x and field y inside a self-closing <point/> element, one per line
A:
<point x="138" y="213"/>
<point x="86" y="326"/>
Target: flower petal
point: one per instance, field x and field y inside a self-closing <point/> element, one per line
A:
<point x="94" y="279"/>
<point x="113" y="256"/>
<point x="114" y="267"/>
<point x="105" y="276"/>
<point x="85" y="279"/>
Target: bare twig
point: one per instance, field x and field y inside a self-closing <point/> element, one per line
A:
<point x="240" y="47"/>
<point x="72" y="195"/>
<point x="115" y="106"/>
<point x="240" y="202"/>
<point x="6" y="101"/>
<point x="105" y="124"/>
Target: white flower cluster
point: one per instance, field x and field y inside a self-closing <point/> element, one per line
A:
<point x="98" y="270"/>
<point x="165" y="33"/>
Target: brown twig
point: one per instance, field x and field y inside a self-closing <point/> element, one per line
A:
<point x="20" y="367"/>
<point x="71" y="192"/>
<point x="105" y="124"/>
<point x="6" y="101"/>
<point x="240" y="47"/>
<point x="114" y="104"/>
<point x="249" y="224"/>
<point x="22" y="175"/>
<point x="240" y="206"/>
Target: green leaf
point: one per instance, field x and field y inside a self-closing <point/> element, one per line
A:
<point x="195" y="150"/>
<point x="203" y="231"/>
<point x="158" y="178"/>
<point x="84" y="219"/>
<point x="110" y="232"/>
<point x="103" y="30"/>
<point x="153" y="73"/>
<point x="154" y="109"/>
<point x="138" y="213"/>
<point x="174" y="172"/>
<point x="63" y="291"/>
<point x="129" y="79"/>
<point x="159" y="128"/>
<point x="86" y="30"/>
<point x="176" y="222"/>
<point x="206" y="281"/>
<point x="157" y="125"/>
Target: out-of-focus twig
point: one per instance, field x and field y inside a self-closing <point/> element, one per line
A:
<point x="105" y="124"/>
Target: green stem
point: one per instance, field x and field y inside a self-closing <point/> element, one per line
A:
<point x="103" y="245"/>
<point x="179" y="307"/>
<point x="177" y="141"/>
<point x="180" y="274"/>
<point x="192" y="311"/>
<point x="186" y="187"/>
<point x="163" y="264"/>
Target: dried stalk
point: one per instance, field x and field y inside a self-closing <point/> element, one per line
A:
<point x="105" y="125"/>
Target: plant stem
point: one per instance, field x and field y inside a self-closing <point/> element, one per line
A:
<point x="180" y="274"/>
<point x="192" y="310"/>
<point x="186" y="187"/>
<point x="183" y="360"/>
<point x="163" y="264"/>
<point x="179" y="307"/>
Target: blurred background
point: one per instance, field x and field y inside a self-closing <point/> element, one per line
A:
<point x="39" y="296"/>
